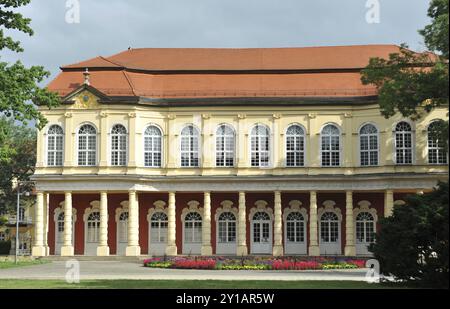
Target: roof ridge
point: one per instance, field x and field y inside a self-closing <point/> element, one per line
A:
<point x="129" y="82"/>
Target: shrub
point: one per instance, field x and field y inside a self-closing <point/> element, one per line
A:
<point x="5" y="246"/>
<point x="412" y="244"/>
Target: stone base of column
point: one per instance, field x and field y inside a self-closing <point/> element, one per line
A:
<point x="133" y="251"/>
<point x="102" y="251"/>
<point x="206" y="250"/>
<point x="38" y="251"/>
<point x="314" y="251"/>
<point x="67" y="251"/>
<point x="277" y="250"/>
<point x="47" y="250"/>
<point x="350" y="251"/>
<point x="242" y="251"/>
<point x="171" y="250"/>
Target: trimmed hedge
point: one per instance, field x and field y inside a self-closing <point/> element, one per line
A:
<point x="5" y="247"/>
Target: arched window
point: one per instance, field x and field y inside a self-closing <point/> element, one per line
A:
<point x="436" y="147"/>
<point x="123" y="227"/>
<point x="295" y="227"/>
<point x="118" y="145"/>
<point x="87" y="145"/>
<point x="329" y="227"/>
<point x="225" y="143"/>
<point x="21" y="214"/>
<point x="295" y="146"/>
<point x="152" y="147"/>
<point x="60" y="227"/>
<point x="330" y="146"/>
<point x="365" y="228"/>
<point x="403" y="143"/>
<point x="158" y="225"/>
<point x="368" y="144"/>
<point x="227" y="227"/>
<point x="193" y="228"/>
<point x="260" y="148"/>
<point x="93" y="227"/>
<point x="55" y="146"/>
<point x="190" y="147"/>
<point x="261" y="227"/>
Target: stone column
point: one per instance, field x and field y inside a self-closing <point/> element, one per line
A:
<point x="46" y="204"/>
<point x="206" y="226"/>
<point x="242" y="227"/>
<point x="133" y="248"/>
<point x="103" y="249"/>
<point x="388" y="203"/>
<point x="38" y="247"/>
<point x="313" y="244"/>
<point x="278" y="229"/>
<point x="171" y="249"/>
<point x="67" y="248"/>
<point x="349" y="228"/>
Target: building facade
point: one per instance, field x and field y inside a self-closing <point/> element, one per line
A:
<point x="227" y="152"/>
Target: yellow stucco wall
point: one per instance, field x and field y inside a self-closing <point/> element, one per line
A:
<point x="171" y="120"/>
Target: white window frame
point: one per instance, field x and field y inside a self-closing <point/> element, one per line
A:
<point x="413" y="143"/>
<point x="330" y="151"/>
<point x="47" y="150"/>
<point x="161" y="150"/>
<point x="225" y="151"/>
<point x="199" y="147"/>
<point x="119" y="151"/>
<point x="304" y="151"/>
<point x="269" y="151"/>
<point x="78" y="144"/>
<point x="371" y="150"/>
<point x="437" y="148"/>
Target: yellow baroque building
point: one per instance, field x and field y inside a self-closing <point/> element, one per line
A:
<point x="277" y="151"/>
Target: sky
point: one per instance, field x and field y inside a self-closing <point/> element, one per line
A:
<point x="109" y="26"/>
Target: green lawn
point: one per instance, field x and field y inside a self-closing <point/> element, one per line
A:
<point x="21" y="262"/>
<point x="186" y="284"/>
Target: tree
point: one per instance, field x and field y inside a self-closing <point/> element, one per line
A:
<point x="413" y="244"/>
<point x="22" y="144"/>
<point x="412" y="83"/>
<point x="19" y="86"/>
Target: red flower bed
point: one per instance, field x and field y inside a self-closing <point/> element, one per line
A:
<point x="195" y="264"/>
<point x="359" y="263"/>
<point x="298" y="265"/>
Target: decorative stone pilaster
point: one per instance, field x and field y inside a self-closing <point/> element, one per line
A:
<point x="206" y="227"/>
<point x="133" y="248"/>
<point x="388" y="203"/>
<point x="38" y="247"/>
<point x="349" y="227"/>
<point x="242" y="226"/>
<point x="68" y="140"/>
<point x="46" y="214"/>
<point x="67" y="248"/>
<point x="132" y="119"/>
<point x="103" y="249"/>
<point x="171" y="249"/>
<point x="278" y="226"/>
<point x="313" y="244"/>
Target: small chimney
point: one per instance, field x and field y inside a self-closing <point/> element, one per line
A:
<point x="87" y="75"/>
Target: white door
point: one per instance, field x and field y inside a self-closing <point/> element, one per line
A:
<point x="295" y="234"/>
<point x="192" y="233"/>
<point x="261" y="230"/>
<point x="59" y="232"/>
<point x="158" y="234"/>
<point x="365" y="233"/>
<point x="92" y="233"/>
<point x="330" y="230"/>
<point x="122" y="233"/>
<point x="226" y="234"/>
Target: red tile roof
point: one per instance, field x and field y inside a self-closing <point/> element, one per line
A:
<point x="208" y="72"/>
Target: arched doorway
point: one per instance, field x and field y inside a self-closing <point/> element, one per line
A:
<point x="330" y="219"/>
